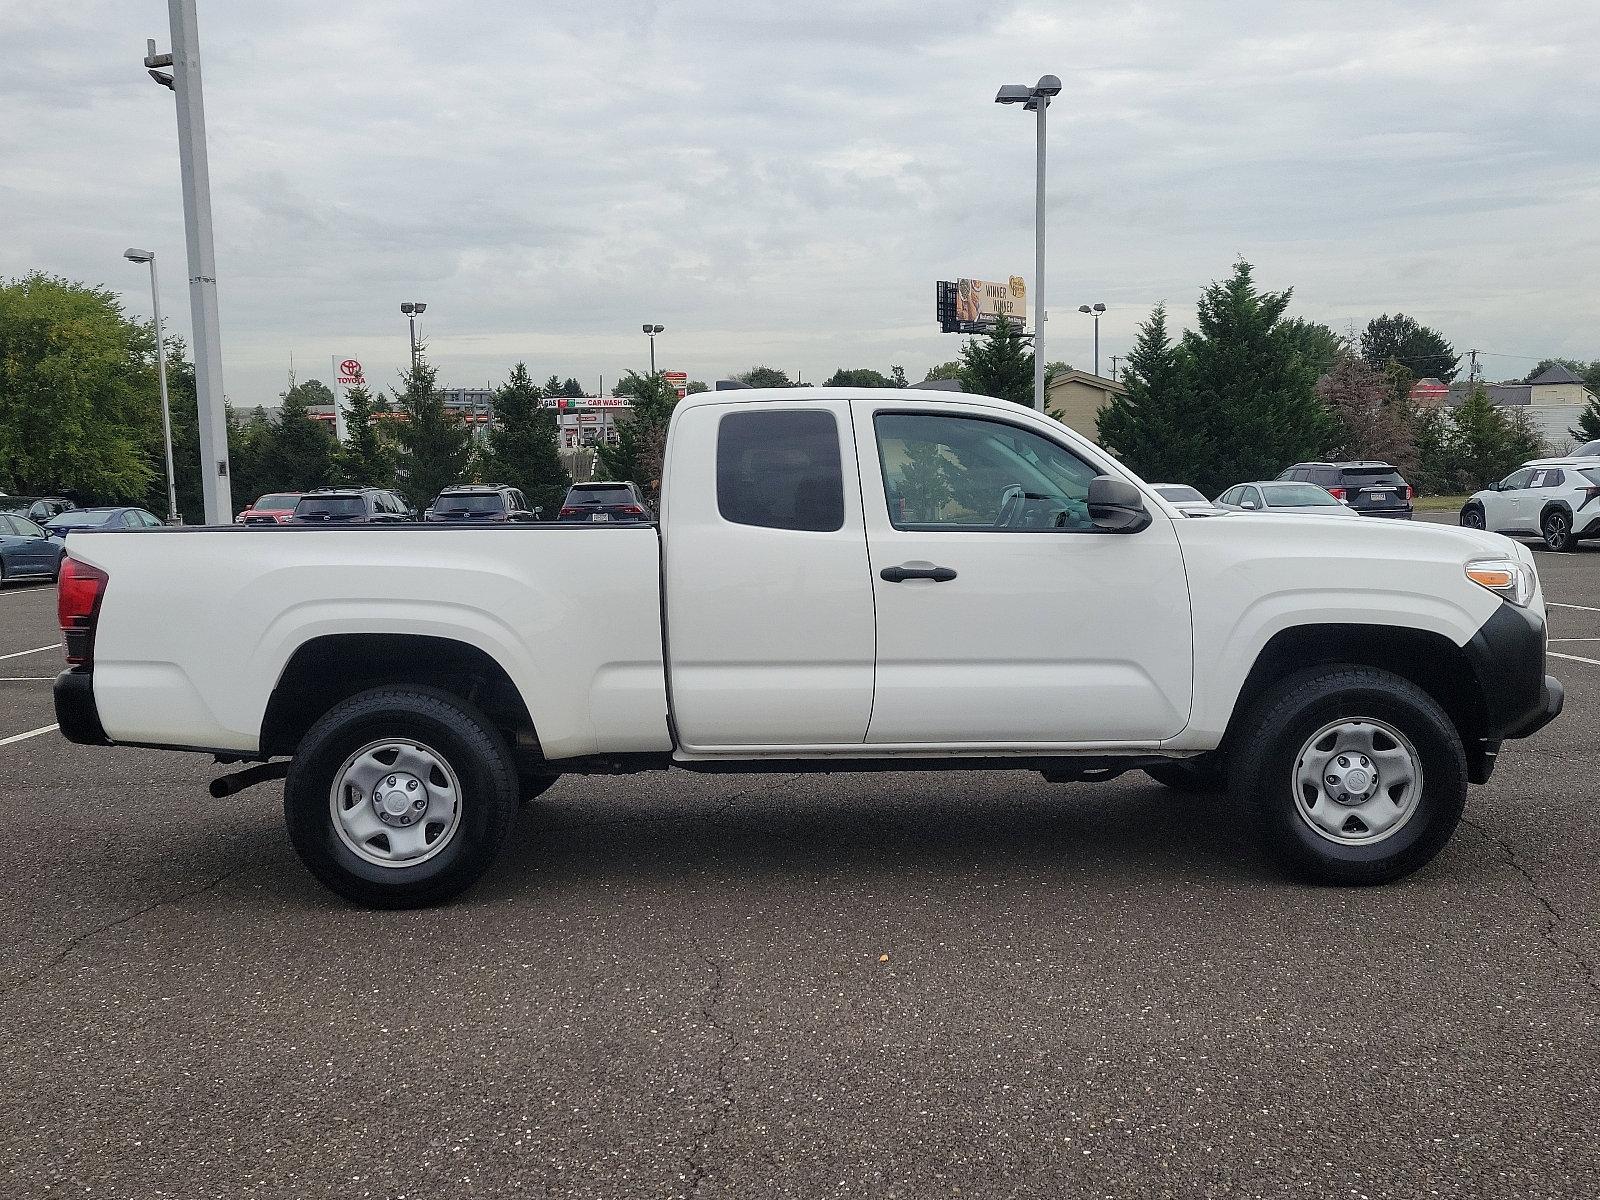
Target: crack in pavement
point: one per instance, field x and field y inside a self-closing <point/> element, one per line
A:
<point x="696" y="1166"/>
<point x="65" y="952"/>
<point x="1556" y="918"/>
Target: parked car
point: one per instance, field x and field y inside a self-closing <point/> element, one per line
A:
<point x="1371" y="488"/>
<point x="114" y="517"/>
<point x="599" y="503"/>
<point x="1273" y="496"/>
<point x="1588" y="450"/>
<point x="38" y="509"/>
<point x="345" y="505"/>
<point x="893" y="597"/>
<point x="1557" y="499"/>
<point x="481" y="502"/>
<point x="1185" y="499"/>
<point x="271" y="509"/>
<point x="26" y="551"/>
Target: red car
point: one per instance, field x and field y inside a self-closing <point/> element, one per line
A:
<point x="272" y="509"/>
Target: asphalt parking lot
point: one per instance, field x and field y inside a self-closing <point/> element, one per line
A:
<point x="894" y="985"/>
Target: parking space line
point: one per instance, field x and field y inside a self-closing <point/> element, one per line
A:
<point x="35" y="650"/>
<point x="1593" y="662"/>
<point x="26" y="678"/>
<point x="1579" y="607"/>
<point x="1575" y="639"/>
<point x="22" y="737"/>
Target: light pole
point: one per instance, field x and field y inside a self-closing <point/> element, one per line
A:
<point x="1036" y="99"/>
<point x="149" y="256"/>
<point x="1095" y="313"/>
<point x="195" y="176"/>
<point x="652" y="330"/>
<point x="412" y="310"/>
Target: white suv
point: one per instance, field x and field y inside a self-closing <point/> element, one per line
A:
<point x="1557" y="499"/>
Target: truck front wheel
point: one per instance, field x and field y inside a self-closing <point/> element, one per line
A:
<point x="400" y="797"/>
<point x="1354" y="775"/>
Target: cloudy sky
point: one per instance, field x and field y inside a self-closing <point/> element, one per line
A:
<point x="782" y="182"/>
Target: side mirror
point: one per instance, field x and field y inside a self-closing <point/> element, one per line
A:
<point x="1116" y="506"/>
<point x="1250" y="504"/>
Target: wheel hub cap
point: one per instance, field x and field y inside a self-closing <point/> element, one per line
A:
<point x="1357" y="781"/>
<point x="396" y="802"/>
<point x="400" y="799"/>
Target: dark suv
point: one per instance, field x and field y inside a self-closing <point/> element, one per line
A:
<point x="476" y="503"/>
<point x="359" y="505"/>
<point x="603" y="502"/>
<point x="1373" y="489"/>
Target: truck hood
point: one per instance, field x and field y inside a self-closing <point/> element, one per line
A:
<point x="1382" y="538"/>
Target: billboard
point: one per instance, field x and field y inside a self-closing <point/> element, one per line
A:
<point x="679" y="380"/>
<point x="975" y="305"/>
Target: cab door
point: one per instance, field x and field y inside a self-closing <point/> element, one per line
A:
<point x="1004" y="619"/>
<point x="768" y="604"/>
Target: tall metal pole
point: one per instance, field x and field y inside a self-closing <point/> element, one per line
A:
<point x="196" y="175"/>
<point x="413" y="319"/>
<point x="1097" y="345"/>
<point x="166" y="409"/>
<point x="652" y="356"/>
<point x="1041" y="104"/>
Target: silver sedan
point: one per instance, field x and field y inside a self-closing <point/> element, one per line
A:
<point x="1271" y="496"/>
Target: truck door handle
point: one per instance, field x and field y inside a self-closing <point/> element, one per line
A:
<point x="917" y="571"/>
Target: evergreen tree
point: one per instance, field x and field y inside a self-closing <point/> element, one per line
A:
<point x="897" y="377"/>
<point x="522" y="448"/>
<point x="1155" y="426"/>
<point x="861" y="377"/>
<point x="365" y="457"/>
<point x="552" y="387"/>
<point x="435" y="444"/>
<point x="1437" y="471"/>
<point x="1254" y="385"/>
<point x="765" y="377"/>
<point x="1490" y="442"/>
<point x="642" y="438"/>
<point x="571" y="389"/>
<point x="299" y="455"/>
<point x="945" y="370"/>
<point x="1318" y="345"/>
<point x="1422" y="351"/>
<point x="1588" y="427"/>
<point x="998" y="365"/>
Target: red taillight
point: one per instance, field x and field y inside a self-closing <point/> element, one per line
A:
<point x="1411" y="493"/>
<point x="81" y="589"/>
<point x="568" y="511"/>
<point x="633" y="510"/>
<point x="1336" y="493"/>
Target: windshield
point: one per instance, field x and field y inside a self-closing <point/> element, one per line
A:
<point x="600" y="495"/>
<point x="1297" y="495"/>
<point x="331" y="506"/>
<point x="1179" y="494"/>
<point x="468" y="502"/>
<point x="278" y="500"/>
<point x="1587" y="450"/>
<point x="62" y="520"/>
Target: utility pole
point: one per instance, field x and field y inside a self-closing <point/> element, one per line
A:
<point x="1114" y="360"/>
<point x="195" y="173"/>
<point x="1472" y="373"/>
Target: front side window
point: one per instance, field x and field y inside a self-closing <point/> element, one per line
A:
<point x="969" y="473"/>
<point x="1250" y="498"/>
<point x="780" y="470"/>
<point x="1517" y="479"/>
<point x="1298" y="495"/>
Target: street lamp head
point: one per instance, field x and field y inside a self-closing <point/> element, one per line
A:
<point x="1084" y="308"/>
<point x="1099" y="308"/>
<point x="138" y="256"/>
<point x="420" y="307"/>
<point x="657" y="328"/>
<point x="1048" y="85"/>
<point x="1013" y="93"/>
<point x="407" y="308"/>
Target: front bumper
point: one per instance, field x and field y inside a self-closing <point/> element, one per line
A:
<point x="1507" y="656"/>
<point x="76" y="712"/>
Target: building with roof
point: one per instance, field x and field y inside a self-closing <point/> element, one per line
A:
<point x="1552" y="399"/>
<point x="1078" y="398"/>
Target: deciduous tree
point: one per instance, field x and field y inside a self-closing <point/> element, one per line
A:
<point x="1371" y="421"/>
<point x="1423" y="351"/>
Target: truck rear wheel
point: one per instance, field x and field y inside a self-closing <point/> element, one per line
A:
<point x="400" y="797"/>
<point x="1354" y="775"/>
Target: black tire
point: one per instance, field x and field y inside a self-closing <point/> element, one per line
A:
<point x="1197" y="776"/>
<point x="1472" y="516"/>
<point x="1278" y="725"/>
<point x="1556" y="526"/>
<point x="454" y="729"/>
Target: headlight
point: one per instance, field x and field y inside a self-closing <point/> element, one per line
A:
<point x="1505" y="577"/>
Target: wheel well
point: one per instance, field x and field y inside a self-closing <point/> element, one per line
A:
<point x="1549" y="504"/>
<point x="328" y="670"/>
<point x="1430" y="660"/>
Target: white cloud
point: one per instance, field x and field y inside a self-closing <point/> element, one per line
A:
<point x="783" y="183"/>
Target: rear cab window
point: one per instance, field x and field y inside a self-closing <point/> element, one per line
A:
<point x="780" y="470"/>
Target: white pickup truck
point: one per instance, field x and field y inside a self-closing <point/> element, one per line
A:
<point x="839" y="579"/>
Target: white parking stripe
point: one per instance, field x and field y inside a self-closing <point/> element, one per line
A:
<point x="1593" y="662"/>
<point x="1575" y="639"/>
<point x="22" y="737"/>
<point x="1580" y="607"/>
<point x="35" y="650"/>
<point x="26" y="678"/>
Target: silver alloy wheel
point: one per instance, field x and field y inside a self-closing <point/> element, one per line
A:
<point x="395" y="803"/>
<point x="1472" y="518"/>
<point x="1555" y="530"/>
<point x="1357" y="781"/>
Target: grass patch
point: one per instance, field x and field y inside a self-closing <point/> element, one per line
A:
<point x="1438" y="503"/>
